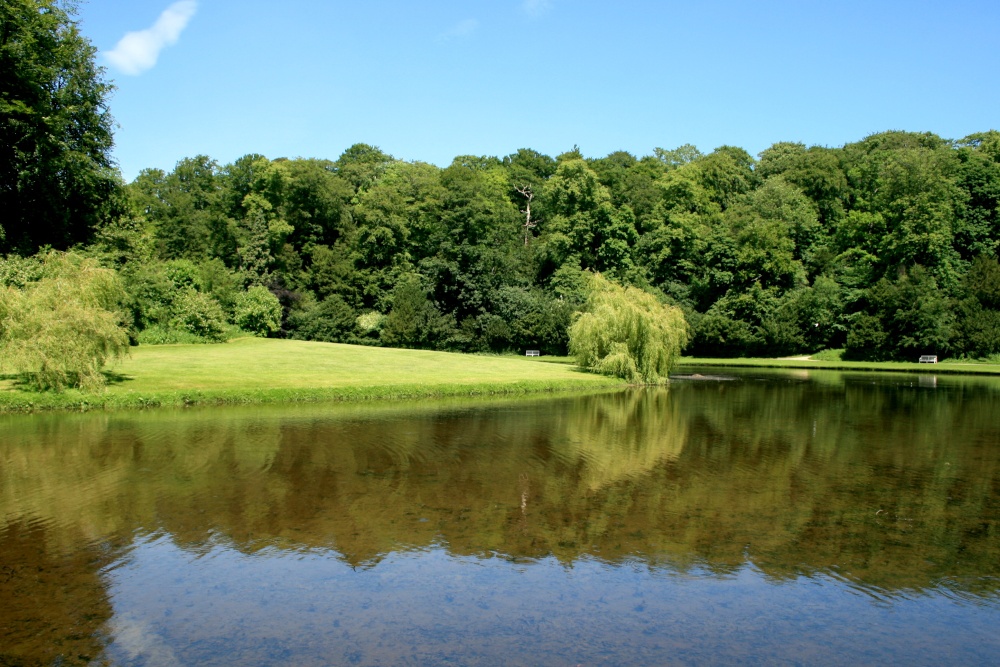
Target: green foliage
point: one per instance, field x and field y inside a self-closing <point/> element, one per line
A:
<point x="254" y="240"/>
<point x="479" y="243"/>
<point x="362" y="165"/>
<point x="760" y="321"/>
<point x="625" y="332"/>
<point x="820" y="312"/>
<point x="977" y="327"/>
<point x="331" y="320"/>
<point x="816" y="171"/>
<point x="57" y="177"/>
<point x="18" y="271"/>
<point x="982" y="282"/>
<point x="330" y="271"/>
<point x="719" y="335"/>
<point x="906" y="183"/>
<point x="526" y="319"/>
<point x="529" y="168"/>
<point x="370" y="321"/>
<point x="795" y="253"/>
<point x="584" y="224"/>
<point x="867" y="340"/>
<point x="199" y="314"/>
<point x="257" y="311"/>
<point x="163" y="334"/>
<point x="123" y="241"/>
<point x="677" y="157"/>
<point x="225" y="285"/>
<point x="631" y="182"/>
<point x="726" y="173"/>
<point x="61" y="330"/>
<point x="414" y="320"/>
<point x="905" y="318"/>
<point x="159" y="298"/>
<point x="151" y="294"/>
<point x="313" y="201"/>
<point x="185" y="210"/>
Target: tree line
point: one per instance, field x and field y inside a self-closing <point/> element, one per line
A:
<point x="885" y="248"/>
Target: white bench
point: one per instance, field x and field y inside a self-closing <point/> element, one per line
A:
<point x="928" y="359"/>
<point x="532" y="353"/>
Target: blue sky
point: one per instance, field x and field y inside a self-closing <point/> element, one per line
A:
<point x="432" y="80"/>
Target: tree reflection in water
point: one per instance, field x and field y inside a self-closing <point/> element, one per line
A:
<point x="890" y="488"/>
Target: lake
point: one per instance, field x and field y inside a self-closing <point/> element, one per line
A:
<point x="737" y="517"/>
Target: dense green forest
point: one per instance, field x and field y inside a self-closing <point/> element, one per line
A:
<point x="886" y="247"/>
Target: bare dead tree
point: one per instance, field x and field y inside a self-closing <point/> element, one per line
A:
<point x="528" y="224"/>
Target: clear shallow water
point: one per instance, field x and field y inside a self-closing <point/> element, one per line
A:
<point x="782" y="517"/>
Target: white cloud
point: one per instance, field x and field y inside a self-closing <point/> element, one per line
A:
<point x="536" y="7"/>
<point x="463" y="29"/>
<point x="137" y="51"/>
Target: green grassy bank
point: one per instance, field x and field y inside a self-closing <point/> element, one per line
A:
<point x="942" y="368"/>
<point x="255" y="370"/>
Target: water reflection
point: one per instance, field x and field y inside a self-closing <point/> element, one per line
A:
<point x="528" y="521"/>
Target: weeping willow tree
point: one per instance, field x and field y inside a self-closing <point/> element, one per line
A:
<point x="61" y="330"/>
<point x="625" y="332"/>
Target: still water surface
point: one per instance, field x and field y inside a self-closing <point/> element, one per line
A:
<point x="768" y="518"/>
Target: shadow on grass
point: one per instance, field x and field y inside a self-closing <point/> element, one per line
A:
<point x="22" y="381"/>
<point x="113" y="378"/>
<point x="14" y="379"/>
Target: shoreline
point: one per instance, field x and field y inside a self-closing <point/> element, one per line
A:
<point x="77" y="401"/>
<point x="295" y="372"/>
<point x="249" y="370"/>
<point x="940" y="368"/>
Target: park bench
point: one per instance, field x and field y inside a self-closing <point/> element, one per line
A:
<point x="532" y="353"/>
<point x="928" y="359"/>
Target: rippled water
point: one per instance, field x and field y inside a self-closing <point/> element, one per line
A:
<point x="756" y="518"/>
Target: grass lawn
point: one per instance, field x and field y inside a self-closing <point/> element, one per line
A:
<point x="256" y="370"/>
<point x="944" y="367"/>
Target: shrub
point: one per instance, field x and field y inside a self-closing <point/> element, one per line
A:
<point x="717" y="335"/>
<point x="330" y="321"/>
<point x="370" y="323"/>
<point x="151" y="294"/>
<point x="257" y="311"/>
<point x="866" y="339"/>
<point x="159" y="334"/>
<point x="414" y="320"/>
<point x="200" y="315"/>
<point x="527" y="319"/>
<point x="18" y="271"/>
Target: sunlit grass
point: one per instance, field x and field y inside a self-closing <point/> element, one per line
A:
<point x="253" y="370"/>
<point x="946" y="366"/>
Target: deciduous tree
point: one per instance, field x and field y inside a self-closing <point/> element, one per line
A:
<point x="625" y="332"/>
<point x="58" y="182"/>
<point x="61" y="330"/>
